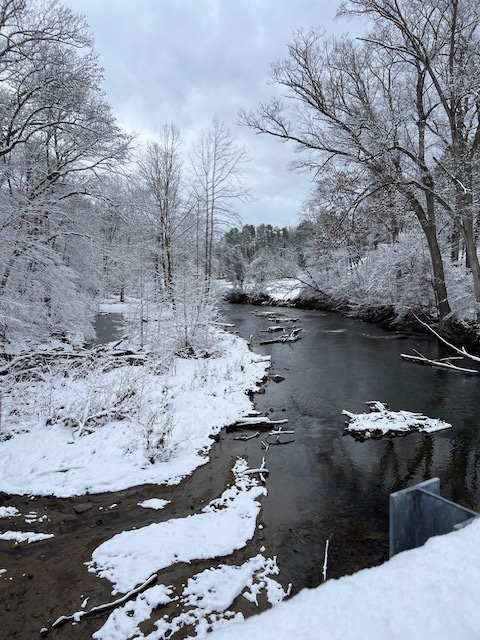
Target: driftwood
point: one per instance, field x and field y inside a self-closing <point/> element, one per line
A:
<point x="262" y="471"/>
<point x="381" y="421"/>
<point x="258" y="422"/>
<point x="248" y="437"/>
<point x="287" y="337"/>
<point x="80" y="615"/>
<point x="277" y="433"/>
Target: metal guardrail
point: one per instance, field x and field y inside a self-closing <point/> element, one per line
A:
<point x="419" y="512"/>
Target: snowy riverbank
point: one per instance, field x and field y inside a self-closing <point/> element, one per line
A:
<point x="169" y="418"/>
<point x="430" y="593"/>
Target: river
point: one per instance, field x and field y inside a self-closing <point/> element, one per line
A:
<point x="326" y="485"/>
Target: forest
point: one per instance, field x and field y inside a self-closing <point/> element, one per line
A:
<point x="387" y="124"/>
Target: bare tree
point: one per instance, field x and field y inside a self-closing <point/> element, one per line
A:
<point x="57" y="138"/>
<point x="355" y="104"/>
<point x="441" y="40"/>
<point x="217" y="164"/>
<point x="161" y="169"/>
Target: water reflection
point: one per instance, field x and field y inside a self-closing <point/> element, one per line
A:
<point x="327" y="484"/>
<point x="108" y="327"/>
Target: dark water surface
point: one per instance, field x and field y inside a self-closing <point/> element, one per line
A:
<point x="108" y="327"/>
<point x="326" y="484"/>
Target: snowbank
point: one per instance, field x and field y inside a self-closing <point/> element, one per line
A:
<point x="173" y="413"/>
<point x="430" y="593"/>
<point x="225" y="525"/>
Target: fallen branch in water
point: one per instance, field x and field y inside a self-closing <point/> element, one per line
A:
<point x="296" y="534"/>
<point x="279" y="432"/>
<point x="248" y="437"/>
<point x="102" y="608"/>
<point x="287" y="337"/>
<point x="461" y="351"/>
<point x="261" y="471"/>
<point x="325" y="560"/>
<point x="256" y="421"/>
<point x="421" y="359"/>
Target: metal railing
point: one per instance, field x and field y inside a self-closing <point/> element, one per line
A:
<point x="419" y="512"/>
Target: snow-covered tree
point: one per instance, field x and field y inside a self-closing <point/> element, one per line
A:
<point x="441" y="40"/>
<point x="57" y="137"/>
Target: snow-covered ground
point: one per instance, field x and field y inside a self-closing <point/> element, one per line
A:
<point x="170" y="417"/>
<point x="430" y="593"/>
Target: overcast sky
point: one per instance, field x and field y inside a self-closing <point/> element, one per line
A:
<point x="183" y="61"/>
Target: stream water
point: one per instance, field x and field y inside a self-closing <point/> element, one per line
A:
<point x="326" y="485"/>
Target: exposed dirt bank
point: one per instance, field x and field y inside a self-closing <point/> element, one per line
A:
<point x="44" y="580"/>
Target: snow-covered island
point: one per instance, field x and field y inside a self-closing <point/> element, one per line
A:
<point x="381" y="421"/>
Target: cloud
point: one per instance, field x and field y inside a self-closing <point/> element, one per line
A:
<point x="183" y="61"/>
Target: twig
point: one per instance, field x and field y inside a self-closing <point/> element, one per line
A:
<point x="296" y="534"/>
<point x="79" y="615"/>
<point x="325" y="560"/>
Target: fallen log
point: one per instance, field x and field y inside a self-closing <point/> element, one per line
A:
<point x="80" y="615"/>
<point x="420" y="359"/>
<point x="288" y="337"/>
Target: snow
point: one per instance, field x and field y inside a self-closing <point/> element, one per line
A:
<point x="225" y="525"/>
<point x="124" y="622"/>
<point x="381" y="421"/>
<point x="8" y="512"/>
<point x="284" y="291"/>
<point x="115" y="307"/>
<point x="25" y="536"/>
<point x="173" y="414"/>
<point x="154" y="503"/>
<point x="430" y="593"/>
<point x="203" y="604"/>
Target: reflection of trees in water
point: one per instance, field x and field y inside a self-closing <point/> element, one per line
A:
<point x="460" y="477"/>
<point x="403" y="462"/>
<point x="398" y="472"/>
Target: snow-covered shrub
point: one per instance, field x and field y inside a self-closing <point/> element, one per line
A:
<point x="398" y="275"/>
